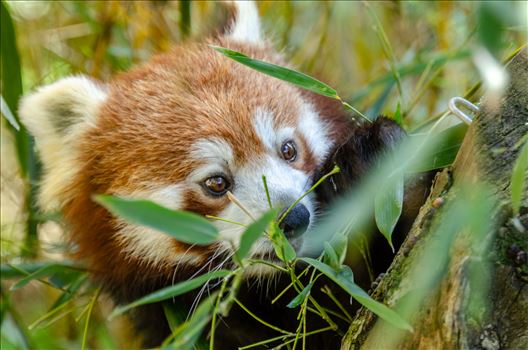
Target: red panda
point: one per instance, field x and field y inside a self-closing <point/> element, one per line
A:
<point x="182" y="130"/>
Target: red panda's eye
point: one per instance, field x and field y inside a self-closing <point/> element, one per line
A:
<point x="288" y="151"/>
<point x="217" y="185"/>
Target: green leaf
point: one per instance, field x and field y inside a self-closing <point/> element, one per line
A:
<point x="25" y="269"/>
<point x="445" y="151"/>
<point x="6" y="112"/>
<point x="46" y="271"/>
<point x="174" y="313"/>
<point x="344" y="279"/>
<point x="188" y="334"/>
<point x="388" y="207"/>
<point x="184" y="226"/>
<point x="171" y="291"/>
<point x="397" y="115"/>
<point x="12" y="83"/>
<point x="282" y="73"/>
<point x="281" y="245"/>
<point x="253" y="232"/>
<point x="339" y="243"/>
<point x="299" y="299"/>
<point x="493" y="18"/>
<point x="70" y="292"/>
<point x="518" y="179"/>
<point x="330" y="256"/>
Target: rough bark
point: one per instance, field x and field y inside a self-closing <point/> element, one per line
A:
<point x="443" y="320"/>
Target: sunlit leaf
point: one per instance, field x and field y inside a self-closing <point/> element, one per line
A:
<point x="299" y="299"/>
<point x="184" y="226"/>
<point x="171" y="291"/>
<point x="282" y="73"/>
<point x="518" y="179"/>
<point x="388" y="207"/>
<point x="253" y="232"/>
<point x="343" y="278"/>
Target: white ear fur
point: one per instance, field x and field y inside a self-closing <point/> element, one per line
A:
<point x="56" y="115"/>
<point x="246" y="27"/>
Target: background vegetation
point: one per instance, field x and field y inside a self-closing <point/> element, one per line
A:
<point x="403" y="59"/>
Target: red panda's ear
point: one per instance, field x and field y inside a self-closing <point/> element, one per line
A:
<point x="245" y="26"/>
<point x="56" y="115"/>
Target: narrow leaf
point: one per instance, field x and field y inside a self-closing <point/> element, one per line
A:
<point x="6" y="112"/>
<point x="299" y="299"/>
<point x="281" y="245"/>
<point x="330" y="256"/>
<point x="184" y="226"/>
<point x="397" y="115"/>
<point x="339" y="243"/>
<point x="170" y="292"/>
<point x="45" y="271"/>
<point x="282" y="73"/>
<point x="174" y="313"/>
<point x="518" y="179"/>
<point x="388" y="207"/>
<point x="188" y="334"/>
<point x="253" y="232"/>
<point x="449" y="142"/>
<point x="343" y="279"/>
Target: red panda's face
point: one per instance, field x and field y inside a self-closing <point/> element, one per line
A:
<point x="192" y="125"/>
<point x="181" y="130"/>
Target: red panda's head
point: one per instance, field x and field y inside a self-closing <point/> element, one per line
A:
<point x="180" y="130"/>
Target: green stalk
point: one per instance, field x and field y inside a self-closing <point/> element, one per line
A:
<point x="335" y="170"/>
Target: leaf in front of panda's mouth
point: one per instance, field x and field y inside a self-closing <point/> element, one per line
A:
<point x="184" y="226"/>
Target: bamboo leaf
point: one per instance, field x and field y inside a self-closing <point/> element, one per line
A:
<point x="45" y="271"/>
<point x="6" y="112"/>
<point x="282" y="73"/>
<point x="253" y="232"/>
<point x="281" y="245"/>
<point x="518" y="179"/>
<point x="171" y="291"/>
<point x="299" y="299"/>
<point x="445" y="151"/>
<point x="330" y="256"/>
<point x="184" y="226"/>
<point x="344" y="279"/>
<point x="188" y="334"/>
<point x="388" y="207"/>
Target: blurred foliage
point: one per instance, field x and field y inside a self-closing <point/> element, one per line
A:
<point x="390" y="57"/>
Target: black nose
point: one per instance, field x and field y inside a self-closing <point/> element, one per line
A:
<point x="296" y="222"/>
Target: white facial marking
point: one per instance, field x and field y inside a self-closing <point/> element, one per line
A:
<point x="212" y="150"/>
<point x="315" y="131"/>
<point x="263" y="124"/>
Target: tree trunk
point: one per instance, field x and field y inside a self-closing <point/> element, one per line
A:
<point x="443" y="321"/>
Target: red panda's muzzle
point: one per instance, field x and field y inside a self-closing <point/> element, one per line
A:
<point x="296" y="222"/>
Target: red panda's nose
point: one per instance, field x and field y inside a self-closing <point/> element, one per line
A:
<point x="296" y="222"/>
